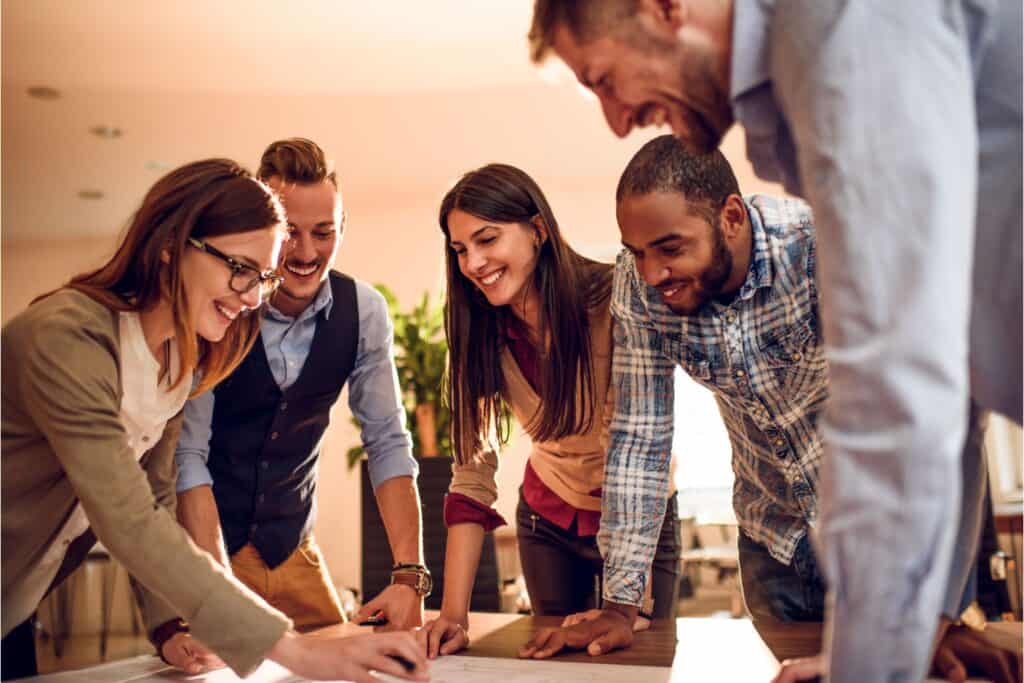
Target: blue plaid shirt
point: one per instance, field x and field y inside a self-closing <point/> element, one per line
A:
<point x="761" y="355"/>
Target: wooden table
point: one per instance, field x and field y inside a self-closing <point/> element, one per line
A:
<point x="695" y="649"/>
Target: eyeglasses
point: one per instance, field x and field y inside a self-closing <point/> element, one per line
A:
<point x="243" y="276"/>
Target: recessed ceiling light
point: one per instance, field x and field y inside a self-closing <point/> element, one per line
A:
<point x="43" y="92"/>
<point x="90" y="194"/>
<point x="106" y="132"/>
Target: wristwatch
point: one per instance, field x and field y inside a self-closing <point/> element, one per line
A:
<point x="164" y="632"/>
<point x="416" y="576"/>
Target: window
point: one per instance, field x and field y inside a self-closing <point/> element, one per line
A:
<point x="702" y="454"/>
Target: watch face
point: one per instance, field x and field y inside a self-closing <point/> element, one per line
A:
<point x="426" y="584"/>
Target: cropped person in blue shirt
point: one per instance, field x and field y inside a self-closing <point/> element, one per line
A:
<point x="248" y="453"/>
<point x="900" y="122"/>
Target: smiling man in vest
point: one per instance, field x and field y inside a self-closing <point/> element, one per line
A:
<point x="249" y="449"/>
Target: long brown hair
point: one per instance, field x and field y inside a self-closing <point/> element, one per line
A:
<point x="569" y="287"/>
<point x="202" y="199"/>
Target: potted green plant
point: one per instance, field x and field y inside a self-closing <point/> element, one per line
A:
<point x="421" y="353"/>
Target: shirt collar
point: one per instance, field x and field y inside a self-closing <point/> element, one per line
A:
<point x="759" y="274"/>
<point x="324" y="301"/>
<point x="750" y="62"/>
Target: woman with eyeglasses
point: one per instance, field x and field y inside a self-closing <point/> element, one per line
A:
<point x="95" y="377"/>
<point x="529" y="330"/>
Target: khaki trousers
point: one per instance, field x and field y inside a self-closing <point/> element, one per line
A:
<point x="300" y="587"/>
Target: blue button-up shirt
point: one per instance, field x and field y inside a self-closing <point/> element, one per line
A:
<point x="761" y="357"/>
<point x="900" y="122"/>
<point x="373" y="392"/>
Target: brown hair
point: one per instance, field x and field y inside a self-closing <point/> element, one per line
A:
<point x="585" y="19"/>
<point x="202" y="199"/>
<point x="569" y="286"/>
<point x="296" y="160"/>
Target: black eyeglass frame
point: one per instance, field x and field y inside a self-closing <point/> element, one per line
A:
<point x="268" y="278"/>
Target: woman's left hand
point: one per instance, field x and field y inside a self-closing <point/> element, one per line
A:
<point x="189" y="655"/>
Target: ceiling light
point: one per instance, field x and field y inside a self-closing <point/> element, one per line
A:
<point x="43" y="92"/>
<point x="106" y="132"/>
<point x="90" y="194"/>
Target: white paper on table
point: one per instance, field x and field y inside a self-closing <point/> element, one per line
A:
<point x="500" y="670"/>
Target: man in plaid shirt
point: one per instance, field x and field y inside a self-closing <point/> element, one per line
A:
<point x="724" y="287"/>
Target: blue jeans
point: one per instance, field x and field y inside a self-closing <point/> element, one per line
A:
<point x="776" y="592"/>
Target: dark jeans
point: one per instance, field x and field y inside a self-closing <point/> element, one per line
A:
<point x="18" y="657"/>
<point x="774" y="592"/>
<point x="563" y="570"/>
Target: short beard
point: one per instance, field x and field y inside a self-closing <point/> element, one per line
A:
<point x="712" y="279"/>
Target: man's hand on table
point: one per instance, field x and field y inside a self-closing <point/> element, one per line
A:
<point x="961" y="652"/>
<point x="800" y="669"/>
<point x="189" y="655"/>
<point x="641" y="623"/>
<point x="323" y="658"/>
<point x="445" y="635"/>
<point x="609" y="630"/>
<point x="964" y="652"/>
<point x="400" y="605"/>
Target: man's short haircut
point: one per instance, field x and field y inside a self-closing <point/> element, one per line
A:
<point x="664" y="165"/>
<point x="296" y="160"/>
<point x="585" y="19"/>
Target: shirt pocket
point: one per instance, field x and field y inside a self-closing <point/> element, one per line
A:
<point x="693" y="362"/>
<point x="796" y="360"/>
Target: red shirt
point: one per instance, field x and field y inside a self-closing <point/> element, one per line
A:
<point x="460" y="509"/>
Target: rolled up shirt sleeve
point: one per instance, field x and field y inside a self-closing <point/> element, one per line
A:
<point x="636" y="474"/>
<point x="193" y="449"/>
<point x="374" y="395"/>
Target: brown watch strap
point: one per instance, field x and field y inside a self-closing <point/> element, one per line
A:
<point x="162" y="633"/>
<point x="407" y="579"/>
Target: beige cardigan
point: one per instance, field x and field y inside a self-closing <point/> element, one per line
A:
<point x="63" y="443"/>
<point x="573" y="466"/>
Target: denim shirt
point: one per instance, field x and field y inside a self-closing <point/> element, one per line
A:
<point x="761" y="357"/>
<point x="373" y="392"/>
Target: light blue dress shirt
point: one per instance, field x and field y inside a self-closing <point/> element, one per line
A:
<point x="373" y="392"/>
<point x="900" y="122"/>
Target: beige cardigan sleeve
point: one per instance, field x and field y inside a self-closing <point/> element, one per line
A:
<point x="477" y="479"/>
<point x="162" y="472"/>
<point x="69" y="388"/>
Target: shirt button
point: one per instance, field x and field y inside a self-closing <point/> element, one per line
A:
<point x="264" y="464"/>
<point x="273" y="436"/>
<point x="780" y="442"/>
<point x="284" y="405"/>
<point x="730" y="316"/>
<point x="740" y="373"/>
<point x="796" y="356"/>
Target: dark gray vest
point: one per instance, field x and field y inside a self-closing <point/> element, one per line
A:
<point x="265" y="442"/>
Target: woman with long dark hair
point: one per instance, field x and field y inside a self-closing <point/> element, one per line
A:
<point x="95" y="377"/>
<point x="529" y="328"/>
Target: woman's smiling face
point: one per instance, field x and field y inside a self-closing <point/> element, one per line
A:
<point x="498" y="258"/>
